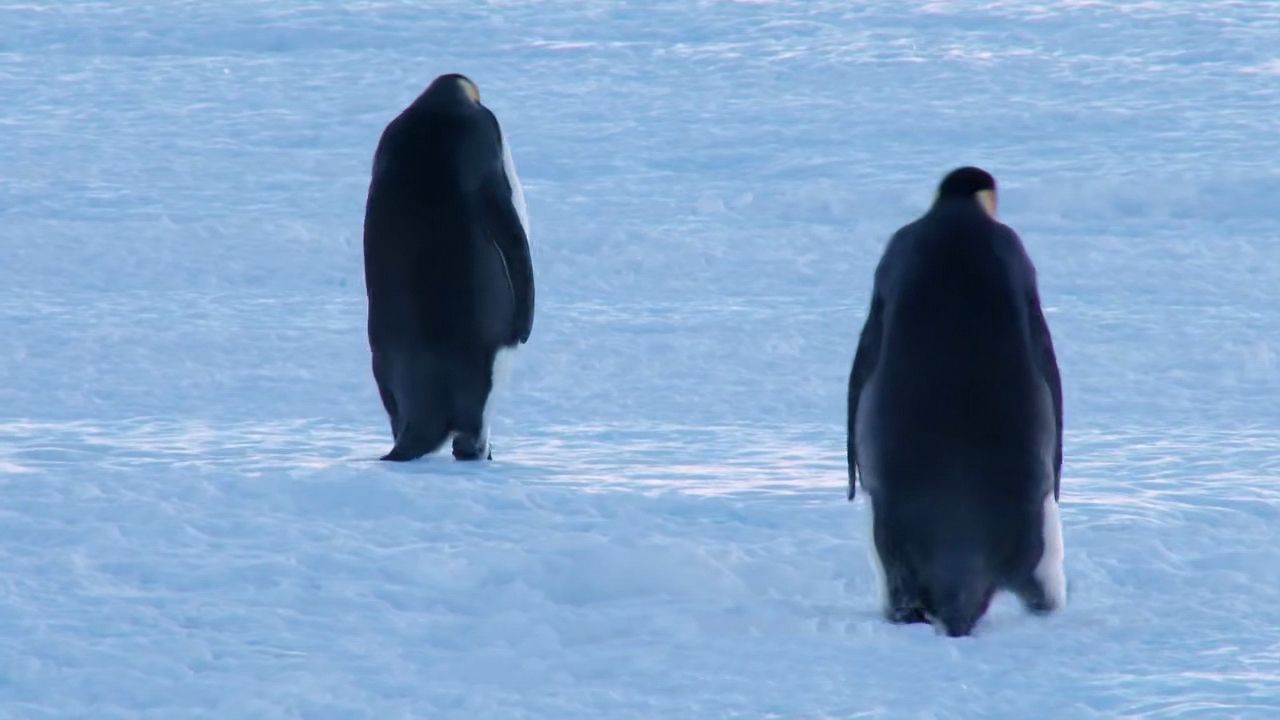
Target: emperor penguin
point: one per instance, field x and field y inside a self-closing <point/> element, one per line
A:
<point x="448" y="271"/>
<point x="955" y="417"/>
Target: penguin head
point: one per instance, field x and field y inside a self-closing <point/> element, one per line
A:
<point x="970" y="182"/>
<point x="451" y="89"/>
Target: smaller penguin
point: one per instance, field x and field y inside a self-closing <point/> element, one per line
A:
<point x="955" y="417"/>
<point x="448" y="271"/>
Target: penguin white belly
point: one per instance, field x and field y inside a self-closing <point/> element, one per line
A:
<point x="517" y="192"/>
<point x="1049" y="571"/>
<point x="502" y="362"/>
<point x="877" y="566"/>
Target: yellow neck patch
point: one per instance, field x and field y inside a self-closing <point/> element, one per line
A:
<point x="987" y="199"/>
<point x="470" y="89"/>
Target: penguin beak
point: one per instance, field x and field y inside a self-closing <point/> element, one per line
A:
<point x="470" y="89"/>
<point x="987" y="199"/>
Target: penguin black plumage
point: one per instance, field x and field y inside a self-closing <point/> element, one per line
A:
<point x="955" y="417"/>
<point x="448" y="271"/>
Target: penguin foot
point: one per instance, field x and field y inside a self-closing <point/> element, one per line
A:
<point x="1034" y="597"/>
<point x="956" y="627"/>
<point x="906" y="615"/>
<point x="1037" y="602"/>
<point x="1038" y="606"/>
<point x="469" y="448"/>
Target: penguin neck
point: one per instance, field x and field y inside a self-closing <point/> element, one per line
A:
<point x="960" y="205"/>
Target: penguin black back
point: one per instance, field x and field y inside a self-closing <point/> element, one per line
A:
<point x="438" y="200"/>
<point x="955" y="295"/>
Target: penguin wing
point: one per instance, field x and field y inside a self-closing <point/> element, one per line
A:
<point x="864" y="363"/>
<point x="867" y="357"/>
<point x="503" y="227"/>
<point x="1041" y="344"/>
<point x="1048" y="361"/>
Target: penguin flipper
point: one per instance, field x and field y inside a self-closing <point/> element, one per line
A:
<point x="502" y="226"/>
<point x="1043" y="356"/>
<point x="1048" y="362"/>
<point x="864" y="363"/>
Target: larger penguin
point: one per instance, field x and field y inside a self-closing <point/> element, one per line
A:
<point x="955" y="417"/>
<point x="447" y="269"/>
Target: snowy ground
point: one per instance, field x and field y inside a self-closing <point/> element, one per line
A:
<point x="192" y="522"/>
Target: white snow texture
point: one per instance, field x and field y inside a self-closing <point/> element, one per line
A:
<point x="193" y="522"/>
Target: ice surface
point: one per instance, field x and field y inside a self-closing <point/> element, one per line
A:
<point x="193" y="523"/>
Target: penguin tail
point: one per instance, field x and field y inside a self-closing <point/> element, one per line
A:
<point x="411" y="446"/>
<point x="959" y="594"/>
<point x="415" y="391"/>
<point x="400" y="453"/>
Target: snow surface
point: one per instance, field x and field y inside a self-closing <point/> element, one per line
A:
<point x="192" y="520"/>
